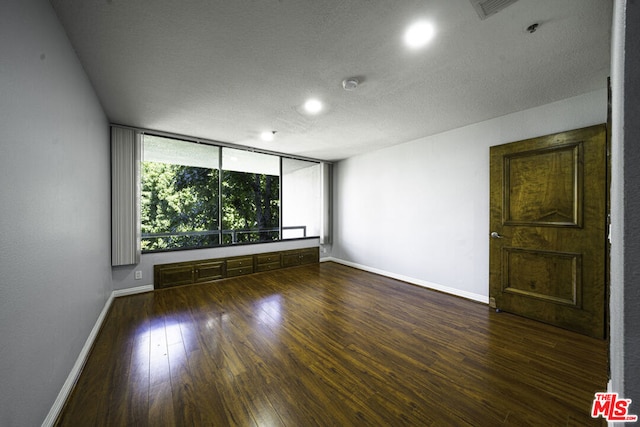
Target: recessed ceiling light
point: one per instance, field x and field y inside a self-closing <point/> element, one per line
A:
<point x="419" y="34"/>
<point x="268" y="135"/>
<point x="313" y="106"/>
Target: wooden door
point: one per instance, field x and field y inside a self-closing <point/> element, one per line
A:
<point x="548" y="229"/>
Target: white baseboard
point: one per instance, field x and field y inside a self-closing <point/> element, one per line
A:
<point x="58" y="404"/>
<point x="425" y="284"/>
<point x="132" y="291"/>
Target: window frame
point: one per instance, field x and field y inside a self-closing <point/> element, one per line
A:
<point x="220" y="145"/>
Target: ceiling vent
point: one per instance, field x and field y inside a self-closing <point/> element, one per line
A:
<point x="486" y="8"/>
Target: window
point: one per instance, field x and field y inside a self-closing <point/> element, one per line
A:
<point x="300" y="198"/>
<point x="200" y="195"/>
<point x="180" y="194"/>
<point x="250" y="196"/>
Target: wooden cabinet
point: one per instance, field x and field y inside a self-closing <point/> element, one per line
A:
<point x="239" y="266"/>
<point x="205" y="271"/>
<point x="187" y="273"/>
<point x="208" y="271"/>
<point x="300" y="257"/>
<point x="270" y="261"/>
<point x="173" y="274"/>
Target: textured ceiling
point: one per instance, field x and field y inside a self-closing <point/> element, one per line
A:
<point x="227" y="70"/>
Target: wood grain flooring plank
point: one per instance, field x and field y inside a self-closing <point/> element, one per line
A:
<point x="161" y="409"/>
<point x="119" y="391"/>
<point x="208" y="399"/>
<point x="138" y="405"/>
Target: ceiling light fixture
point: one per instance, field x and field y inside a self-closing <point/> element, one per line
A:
<point x="268" y="135"/>
<point x="419" y="34"/>
<point x="313" y="106"/>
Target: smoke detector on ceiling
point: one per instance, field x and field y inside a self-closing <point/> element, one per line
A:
<point x="532" y="28"/>
<point x="486" y="8"/>
<point x="350" y="84"/>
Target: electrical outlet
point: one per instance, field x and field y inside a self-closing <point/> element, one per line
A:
<point x="138" y="275"/>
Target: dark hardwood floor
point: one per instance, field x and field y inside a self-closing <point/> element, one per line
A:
<point x="329" y="345"/>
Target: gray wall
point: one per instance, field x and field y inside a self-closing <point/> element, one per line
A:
<point x="616" y="231"/>
<point x="625" y="204"/>
<point x="55" y="273"/>
<point x="631" y="146"/>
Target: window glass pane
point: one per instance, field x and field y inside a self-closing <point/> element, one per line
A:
<point x="250" y="162"/>
<point x="180" y="194"/>
<point x="300" y="198"/>
<point x="250" y="196"/>
<point x="177" y="152"/>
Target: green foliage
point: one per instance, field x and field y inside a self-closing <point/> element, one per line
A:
<point x="250" y="202"/>
<point x="180" y="207"/>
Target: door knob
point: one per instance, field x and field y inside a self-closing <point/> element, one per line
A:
<point x="495" y="235"/>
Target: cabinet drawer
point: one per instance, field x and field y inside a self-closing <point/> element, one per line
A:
<point x="239" y="271"/>
<point x="207" y="271"/>
<point x="239" y="262"/>
<point x="268" y="266"/>
<point x="270" y="258"/>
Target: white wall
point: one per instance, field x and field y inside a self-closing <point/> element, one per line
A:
<point x="420" y="210"/>
<point x="54" y="210"/>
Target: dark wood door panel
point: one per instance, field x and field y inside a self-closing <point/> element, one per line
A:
<point x="544" y="187"/>
<point x="300" y="257"/>
<point x="548" y="222"/>
<point x="181" y="274"/>
<point x="545" y="275"/>
<point x="207" y="271"/>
